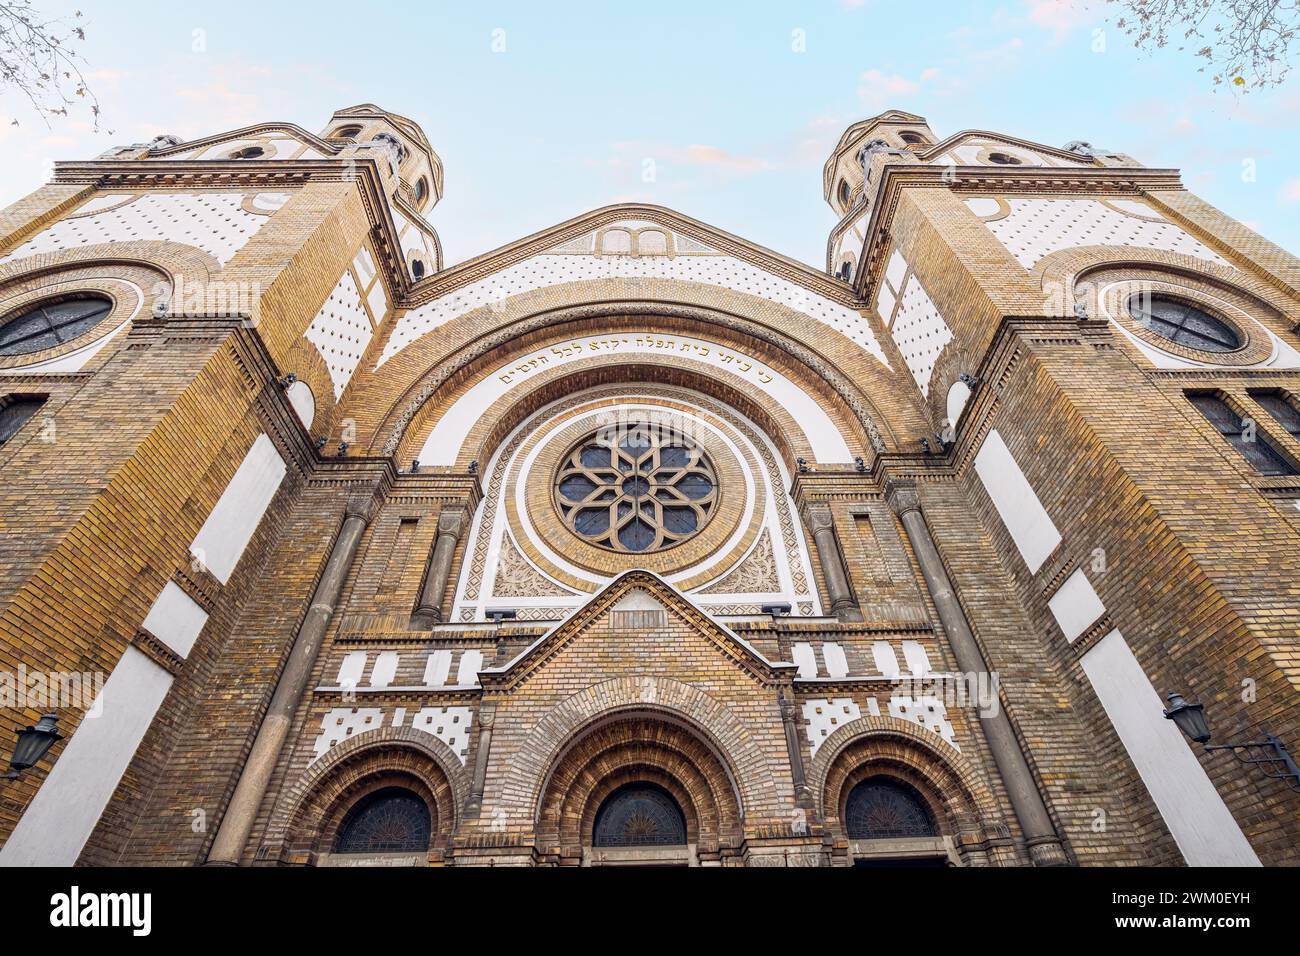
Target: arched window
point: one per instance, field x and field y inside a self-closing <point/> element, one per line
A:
<point x="51" y="323"/>
<point x="912" y="139"/>
<point x="1183" y="323"/>
<point x="421" y="190"/>
<point x="346" y="132"/>
<point x="845" y="192"/>
<point x="1247" y="437"/>
<point x="639" y="814"/>
<point x="883" y="810"/>
<point x="391" y="820"/>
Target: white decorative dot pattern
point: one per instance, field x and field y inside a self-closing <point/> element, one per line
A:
<point x="341" y="332"/>
<point x="546" y="270"/>
<point x="823" y="717"/>
<point x="920" y="333"/>
<point x="213" y="222"/>
<point x="1038" y="227"/>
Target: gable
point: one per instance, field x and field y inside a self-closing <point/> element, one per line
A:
<point x="637" y="247"/>
<point x="639" y="625"/>
<point x="278" y="142"/>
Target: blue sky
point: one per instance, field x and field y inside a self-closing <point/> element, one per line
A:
<point x="734" y="105"/>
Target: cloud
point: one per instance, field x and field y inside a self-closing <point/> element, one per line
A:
<point x="1061" y="17"/>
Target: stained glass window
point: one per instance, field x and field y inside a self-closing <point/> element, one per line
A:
<point x="640" y="814"/>
<point x="391" y="820"/>
<point x="881" y="810"/>
<point x="52" y="323"/>
<point x="1183" y="323"/>
<point x="636" y="488"/>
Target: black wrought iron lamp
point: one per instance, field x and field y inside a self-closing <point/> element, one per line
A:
<point x="33" y="744"/>
<point x="1270" y="753"/>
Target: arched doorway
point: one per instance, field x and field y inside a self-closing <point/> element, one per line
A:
<point x="639" y="788"/>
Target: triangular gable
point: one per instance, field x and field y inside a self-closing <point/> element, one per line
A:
<point x="634" y="595"/>
<point x="288" y="131"/>
<point x="566" y="253"/>
<point x="966" y="136"/>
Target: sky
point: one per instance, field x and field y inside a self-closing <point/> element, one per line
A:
<point x="723" y="111"/>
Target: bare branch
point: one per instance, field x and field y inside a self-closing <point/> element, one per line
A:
<point x="1244" y="43"/>
<point x="38" y="58"/>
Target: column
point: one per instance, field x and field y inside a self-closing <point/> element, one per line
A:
<point x="438" y="571"/>
<point x="1044" y="844"/>
<point x="844" y="605"/>
<point x="486" y="717"/>
<point x="237" y="823"/>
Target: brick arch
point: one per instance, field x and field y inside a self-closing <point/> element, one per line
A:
<point x="528" y="397"/>
<point x="1062" y="271"/>
<point x="178" y="261"/>
<point x="638" y="746"/>
<point x="750" y="770"/>
<point x="308" y="816"/>
<point x="827" y="379"/>
<point x="958" y="799"/>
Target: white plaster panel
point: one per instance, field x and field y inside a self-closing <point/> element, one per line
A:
<point x="1076" y="605"/>
<point x="882" y="652"/>
<point x="1038" y="227"/>
<point x="385" y="669"/>
<point x="63" y="814"/>
<point x="221" y="541"/>
<point x="925" y="711"/>
<point x="341" y="332"/>
<point x="471" y="662"/>
<point x="213" y="222"/>
<point x="302" y="401"/>
<point x="341" y="723"/>
<point x="1026" y="519"/>
<point x="823" y="717"/>
<point x="920" y="333"/>
<point x="1205" y="830"/>
<point x="377" y="299"/>
<point x="806" y="658"/>
<point x="351" y="669"/>
<point x="448" y="724"/>
<point x="958" y="396"/>
<point x="837" y="664"/>
<point x="175" y="619"/>
<point x="548" y="269"/>
<point x="437" y="668"/>
<point x="444" y="442"/>
<point x="918" y="662"/>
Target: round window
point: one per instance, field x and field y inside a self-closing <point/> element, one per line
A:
<point x="51" y="323"/>
<point x="845" y="193"/>
<point x="1183" y="323"/>
<point x="636" y="488"/>
<point x="1004" y="159"/>
<point x="248" y="152"/>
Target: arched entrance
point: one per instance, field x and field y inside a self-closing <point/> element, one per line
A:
<point x="639" y="788"/>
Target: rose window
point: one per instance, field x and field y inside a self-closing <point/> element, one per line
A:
<point x="636" y="488"/>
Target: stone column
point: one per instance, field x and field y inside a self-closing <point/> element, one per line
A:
<point x="789" y="720"/>
<point x="237" y="823"/>
<point x="428" y="611"/>
<point x="1044" y="844"/>
<point x="486" y="716"/>
<point x="844" y="604"/>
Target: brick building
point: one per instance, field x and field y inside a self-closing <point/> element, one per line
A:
<point x="633" y="541"/>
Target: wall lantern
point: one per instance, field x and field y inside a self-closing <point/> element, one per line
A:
<point x="1270" y="754"/>
<point x="33" y="744"/>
